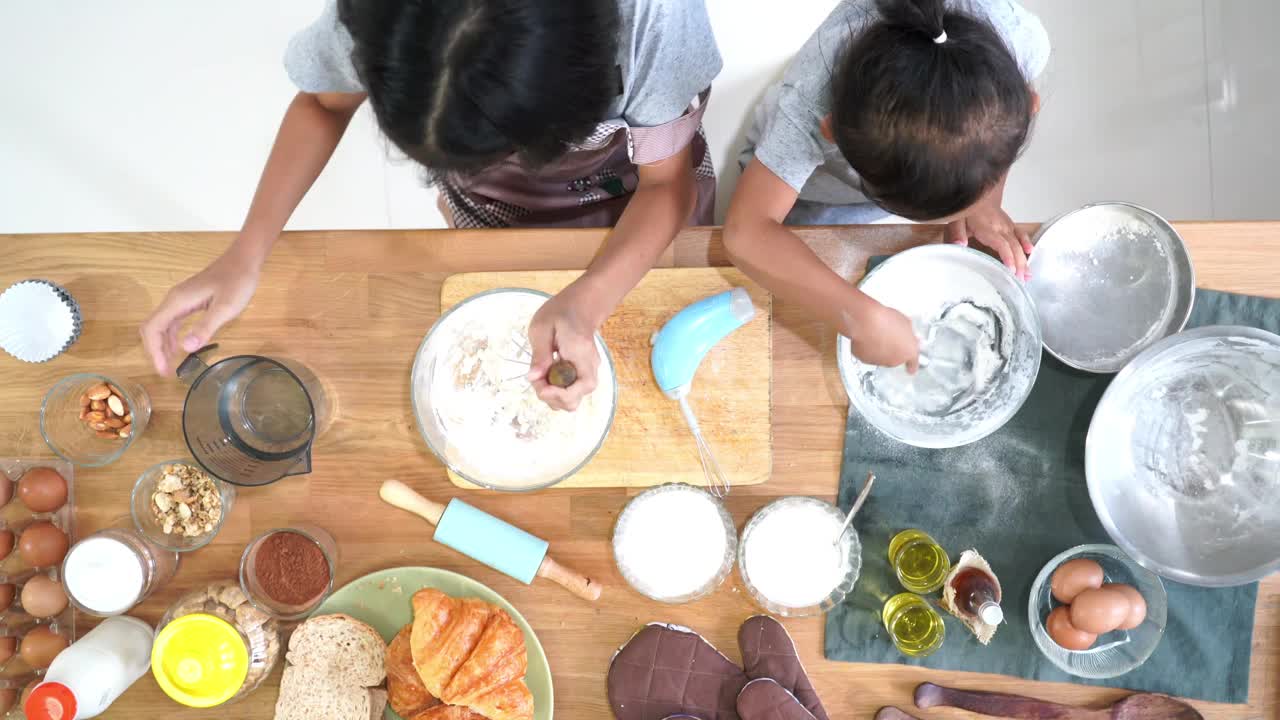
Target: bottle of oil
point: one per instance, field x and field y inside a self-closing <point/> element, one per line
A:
<point x="919" y="561"/>
<point x="914" y="626"/>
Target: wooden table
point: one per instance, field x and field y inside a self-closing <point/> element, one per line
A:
<point x="354" y="306"/>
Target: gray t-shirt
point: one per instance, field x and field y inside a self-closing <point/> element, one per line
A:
<point x="786" y="135"/>
<point x="667" y="54"/>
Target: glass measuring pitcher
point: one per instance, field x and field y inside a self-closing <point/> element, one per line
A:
<point x="251" y="420"/>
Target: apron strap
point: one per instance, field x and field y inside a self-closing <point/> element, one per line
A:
<point x="649" y="145"/>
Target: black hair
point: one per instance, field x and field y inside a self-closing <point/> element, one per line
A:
<point x="458" y="85"/>
<point x="929" y="126"/>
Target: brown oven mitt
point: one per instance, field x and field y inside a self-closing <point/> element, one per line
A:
<point x="665" y="671"/>
<point x="765" y="699"/>
<point x="769" y="652"/>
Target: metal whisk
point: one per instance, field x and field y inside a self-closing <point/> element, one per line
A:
<point x="717" y="483"/>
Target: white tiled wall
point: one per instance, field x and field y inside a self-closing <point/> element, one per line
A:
<point x="156" y="115"/>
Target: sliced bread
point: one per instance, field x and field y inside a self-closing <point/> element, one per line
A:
<point x="306" y="694"/>
<point x="342" y="645"/>
<point x="332" y="662"/>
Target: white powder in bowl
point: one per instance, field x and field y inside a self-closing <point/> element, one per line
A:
<point x="790" y="553"/>
<point x="470" y="385"/>
<point x="671" y="542"/>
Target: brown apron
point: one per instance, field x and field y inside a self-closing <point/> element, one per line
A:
<point x="589" y="186"/>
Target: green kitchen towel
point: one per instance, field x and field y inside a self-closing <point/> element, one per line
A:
<point x="1019" y="497"/>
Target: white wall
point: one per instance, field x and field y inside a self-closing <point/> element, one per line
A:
<point x="136" y="115"/>
<point x="139" y="115"/>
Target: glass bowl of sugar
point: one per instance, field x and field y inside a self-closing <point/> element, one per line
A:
<point x="675" y="543"/>
<point x="795" y="561"/>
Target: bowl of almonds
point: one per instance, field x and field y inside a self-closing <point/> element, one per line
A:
<point x="90" y="419"/>
<point x="179" y="506"/>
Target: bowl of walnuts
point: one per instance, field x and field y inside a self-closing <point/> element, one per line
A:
<point x="179" y="506"/>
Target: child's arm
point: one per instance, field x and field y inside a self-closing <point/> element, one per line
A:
<point x="311" y="129"/>
<point x="660" y="207"/>
<point x="775" y="257"/>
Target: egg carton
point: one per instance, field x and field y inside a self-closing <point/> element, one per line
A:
<point x="16" y="623"/>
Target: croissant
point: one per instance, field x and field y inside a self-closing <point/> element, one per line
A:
<point x="405" y="691"/>
<point x="471" y="654"/>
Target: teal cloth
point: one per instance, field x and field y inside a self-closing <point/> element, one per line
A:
<point x="1019" y="497"/>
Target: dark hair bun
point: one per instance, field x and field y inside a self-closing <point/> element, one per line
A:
<point x="924" y="16"/>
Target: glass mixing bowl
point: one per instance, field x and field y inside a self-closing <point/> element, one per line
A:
<point x="557" y="461"/>
<point x="1117" y="652"/>
<point x="922" y="277"/>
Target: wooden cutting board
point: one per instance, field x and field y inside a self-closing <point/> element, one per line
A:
<point x="650" y="443"/>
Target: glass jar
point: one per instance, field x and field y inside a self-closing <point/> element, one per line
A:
<point x="214" y="647"/>
<point x="72" y="438"/>
<point x="114" y="569"/>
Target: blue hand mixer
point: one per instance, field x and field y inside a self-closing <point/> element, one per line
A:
<point x="678" y="349"/>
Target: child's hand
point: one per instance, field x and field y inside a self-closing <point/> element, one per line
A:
<point x="221" y="291"/>
<point x="560" y="327"/>
<point x="990" y="225"/>
<point x="884" y="336"/>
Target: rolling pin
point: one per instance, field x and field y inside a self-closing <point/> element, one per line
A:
<point x="496" y="543"/>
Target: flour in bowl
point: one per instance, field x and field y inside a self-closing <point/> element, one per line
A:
<point x="471" y="388"/>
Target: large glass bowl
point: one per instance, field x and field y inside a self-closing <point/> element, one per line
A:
<point x="902" y="273"/>
<point x="1117" y="652"/>
<point x="74" y="441"/>
<point x="431" y="360"/>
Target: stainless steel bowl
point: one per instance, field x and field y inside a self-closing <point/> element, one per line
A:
<point x="1108" y="280"/>
<point x="1183" y="457"/>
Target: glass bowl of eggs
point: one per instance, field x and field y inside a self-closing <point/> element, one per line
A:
<point x="1095" y="613"/>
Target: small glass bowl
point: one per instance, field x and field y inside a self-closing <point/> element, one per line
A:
<point x="146" y="522"/>
<point x="254" y="590"/>
<point x="74" y="441"/>
<point x="1117" y="652"/>
<point x="850" y="551"/>
<point x="726" y="565"/>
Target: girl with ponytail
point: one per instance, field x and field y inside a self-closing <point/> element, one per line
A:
<point x="915" y="108"/>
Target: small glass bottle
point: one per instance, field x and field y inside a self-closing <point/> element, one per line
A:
<point x="919" y="561"/>
<point x="977" y="595"/>
<point x="913" y="624"/>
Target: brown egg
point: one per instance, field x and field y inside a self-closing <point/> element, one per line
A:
<point x="7" y="591"/>
<point x="42" y="544"/>
<point x="8" y="646"/>
<point x="1061" y="631"/>
<point x="1137" y="606"/>
<point x="8" y="697"/>
<point x="1099" y="611"/>
<point x="26" y="692"/>
<point x="42" y="489"/>
<point x="40" y="646"/>
<point x="6" y="490"/>
<point x="6" y="543"/>
<point x="43" y="597"/>
<point x="1074" y="577"/>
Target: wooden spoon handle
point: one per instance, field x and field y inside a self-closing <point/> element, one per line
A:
<point x="893" y="713"/>
<point x="929" y="695"/>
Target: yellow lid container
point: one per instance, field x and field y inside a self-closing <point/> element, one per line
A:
<point x="200" y="660"/>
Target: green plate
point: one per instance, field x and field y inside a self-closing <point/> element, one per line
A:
<point x="382" y="600"/>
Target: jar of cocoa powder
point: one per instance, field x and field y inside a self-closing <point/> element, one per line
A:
<point x="288" y="572"/>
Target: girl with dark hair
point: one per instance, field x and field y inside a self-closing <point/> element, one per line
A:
<point x="551" y="113"/>
<point x="910" y="107"/>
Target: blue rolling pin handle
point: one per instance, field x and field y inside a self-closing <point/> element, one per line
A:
<point x="494" y="542"/>
<point x="680" y="345"/>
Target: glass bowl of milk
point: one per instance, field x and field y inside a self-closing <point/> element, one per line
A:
<point x="795" y="561"/>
